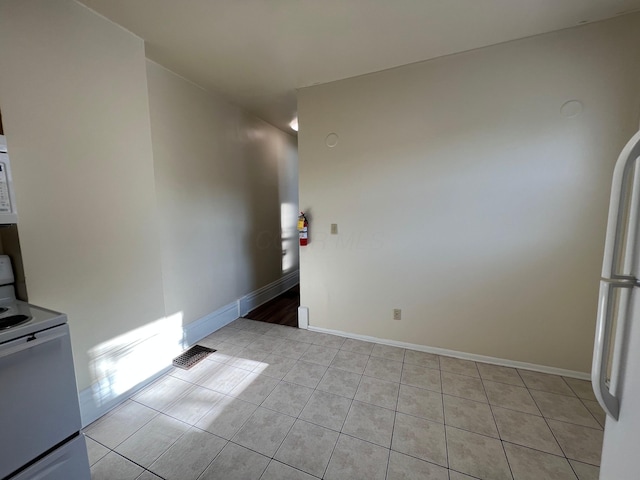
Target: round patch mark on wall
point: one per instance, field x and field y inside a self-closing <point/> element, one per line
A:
<point x="572" y="108"/>
<point x="331" y="140"/>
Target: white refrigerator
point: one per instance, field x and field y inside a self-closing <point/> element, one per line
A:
<point x="616" y="360"/>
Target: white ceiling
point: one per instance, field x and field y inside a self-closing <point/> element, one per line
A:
<point x="257" y="52"/>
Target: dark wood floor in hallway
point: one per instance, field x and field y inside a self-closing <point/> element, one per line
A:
<point x="282" y="310"/>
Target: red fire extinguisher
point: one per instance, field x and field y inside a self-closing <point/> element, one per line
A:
<point x="303" y="229"/>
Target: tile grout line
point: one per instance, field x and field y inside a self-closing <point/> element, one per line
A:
<point x="134" y="432"/>
<point x="495" y="424"/>
<point x="549" y="427"/>
<point x="566" y="421"/>
<point x="191" y="426"/>
<point x="498" y="430"/>
<point x="444" y="425"/>
<point x="393" y="426"/>
<point x="582" y="400"/>
<point x="165" y="450"/>
<point x="343" y="423"/>
<point x="130" y="461"/>
<point x="214" y="459"/>
<point x="294" y="422"/>
<point x="538" y="416"/>
<point x="561" y="448"/>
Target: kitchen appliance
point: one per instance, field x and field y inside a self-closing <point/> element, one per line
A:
<point x="616" y="359"/>
<point x="8" y="211"/>
<point x="40" y="434"/>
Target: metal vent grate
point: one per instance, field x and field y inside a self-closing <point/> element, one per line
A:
<point x="192" y="356"/>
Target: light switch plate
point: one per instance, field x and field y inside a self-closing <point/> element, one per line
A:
<point x="334" y="229"/>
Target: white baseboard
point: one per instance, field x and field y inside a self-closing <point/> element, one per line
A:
<point x="91" y="409"/>
<point x="463" y="355"/>
<point x="195" y="331"/>
<point x="268" y="292"/>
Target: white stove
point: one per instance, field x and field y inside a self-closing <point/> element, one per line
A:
<point x="39" y="408"/>
<point x="31" y="318"/>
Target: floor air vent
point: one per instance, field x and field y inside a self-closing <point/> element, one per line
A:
<point x="192" y="356"/>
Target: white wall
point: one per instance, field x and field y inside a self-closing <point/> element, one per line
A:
<point x="221" y="177"/>
<point x="73" y="94"/>
<point x="466" y="199"/>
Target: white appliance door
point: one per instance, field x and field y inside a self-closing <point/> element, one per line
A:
<point x="38" y="396"/>
<point x="621" y="448"/>
<point x="68" y="462"/>
<point x="616" y="365"/>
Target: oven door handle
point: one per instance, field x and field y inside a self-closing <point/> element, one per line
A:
<point x="27" y="344"/>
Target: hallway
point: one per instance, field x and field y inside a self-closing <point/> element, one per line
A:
<point x="282" y="310"/>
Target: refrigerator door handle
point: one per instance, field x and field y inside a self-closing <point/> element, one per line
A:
<point x="607" y="400"/>
<point x="615" y="222"/>
<point x="614" y="258"/>
<point x="619" y="194"/>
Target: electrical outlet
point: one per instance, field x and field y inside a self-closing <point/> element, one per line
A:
<point x="334" y="229"/>
<point x="397" y="314"/>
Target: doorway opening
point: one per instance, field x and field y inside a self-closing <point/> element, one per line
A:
<point x="282" y="309"/>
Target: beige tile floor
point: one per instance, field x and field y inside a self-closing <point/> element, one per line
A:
<point x="279" y="403"/>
